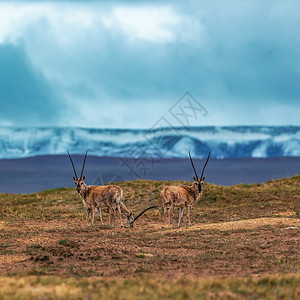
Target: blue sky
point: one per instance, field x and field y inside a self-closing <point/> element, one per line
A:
<point x="124" y="64"/>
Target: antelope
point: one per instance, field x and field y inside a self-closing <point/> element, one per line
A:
<point x="131" y="219"/>
<point x="97" y="197"/>
<point x="183" y="196"/>
<point x="107" y="196"/>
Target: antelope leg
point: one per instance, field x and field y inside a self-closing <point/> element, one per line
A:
<point x="119" y="209"/>
<point x="181" y="209"/>
<point x="88" y="211"/>
<point x="162" y="213"/>
<point x="93" y="215"/>
<point x="100" y="215"/>
<point x="170" y="213"/>
<point x="113" y="217"/>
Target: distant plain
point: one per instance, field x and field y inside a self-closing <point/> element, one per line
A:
<point x="35" y="174"/>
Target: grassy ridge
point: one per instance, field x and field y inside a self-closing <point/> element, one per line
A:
<point x="220" y="202"/>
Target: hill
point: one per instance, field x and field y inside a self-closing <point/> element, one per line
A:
<point x="244" y="242"/>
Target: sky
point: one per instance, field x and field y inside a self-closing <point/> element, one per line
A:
<point x="124" y="64"/>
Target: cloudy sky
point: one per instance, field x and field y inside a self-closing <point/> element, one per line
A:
<point x="124" y="64"/>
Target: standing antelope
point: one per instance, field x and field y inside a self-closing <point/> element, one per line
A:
<point x="97" y="197"/>
<point x="183" y="196"/>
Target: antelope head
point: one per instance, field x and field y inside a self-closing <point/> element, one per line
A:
<point x="198" y="183"/>
<point x="79" y="182"/>
<point x="131" y="219"/>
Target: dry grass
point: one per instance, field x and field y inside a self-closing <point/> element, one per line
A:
<point x="248" y="224"/>
<point x="248" y="233"/>
<point x="149" y="287"/>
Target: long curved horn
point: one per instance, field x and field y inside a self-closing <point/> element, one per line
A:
<point x="72" y="165"/>
<point x="205" y="165"/>
<point x="83" y="165"/>
<point x="193" y="165"/>
<point x="144" y="212"/>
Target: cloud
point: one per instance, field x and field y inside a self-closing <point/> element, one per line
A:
<point x="154" y="24"/>
<point x="24" y="93"/>
<point x="119" y="64"/>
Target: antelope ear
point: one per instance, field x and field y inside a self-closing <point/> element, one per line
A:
<point x="74" y="178"/>
<point x="203" y="178"/>
<point x="83" y="178"/>
<point x="131" y="214"/>
<point x="194" y="178"/>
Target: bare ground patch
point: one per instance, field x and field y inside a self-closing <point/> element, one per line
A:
<point x="242" y="224"/>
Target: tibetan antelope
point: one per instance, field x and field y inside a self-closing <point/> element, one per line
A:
<point x="131" y="219"/>
<point x="183" y="196"/>
<point x="99" y="197"/>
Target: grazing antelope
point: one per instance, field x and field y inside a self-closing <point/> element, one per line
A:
<point x="131" y="219"/>
<point x="183" y="196"/>
<point x="97" y="197"/>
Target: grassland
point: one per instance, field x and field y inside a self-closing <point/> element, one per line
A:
<point x="244" y="243"/>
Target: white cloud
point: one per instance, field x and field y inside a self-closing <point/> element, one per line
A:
<point x="155" y="24"/>
<point x="12" y="20"/>
<point x="15" y="18"/>
<point x="92" y="53"/>
<point x="150" y="23"/>
<point x="51" y="31"/>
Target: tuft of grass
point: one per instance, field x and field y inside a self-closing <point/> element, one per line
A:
<point x="68" y="243"/>
<point x="34" y="249"/>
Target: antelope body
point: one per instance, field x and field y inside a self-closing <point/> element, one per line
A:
<point x="96" y="197"/>
<point x="183" y="196"/>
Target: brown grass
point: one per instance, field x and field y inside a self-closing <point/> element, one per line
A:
<point x="244" y="242"/>
<point x="150" y="287"/>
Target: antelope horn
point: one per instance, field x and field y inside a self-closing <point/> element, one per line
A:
<point x="72" y="165"/>
<point x="83" y="164"/>
<point x="193" y="165"/>
<point x="144" y="212"/>
<point x="205" y="165"/>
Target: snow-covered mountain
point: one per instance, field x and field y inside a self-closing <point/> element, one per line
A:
<point x="224" y="142"/>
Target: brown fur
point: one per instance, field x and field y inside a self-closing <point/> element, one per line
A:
<point x="98" y="197"/>
<point x="181" y="196"/>
<point x="107" y="197"/>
